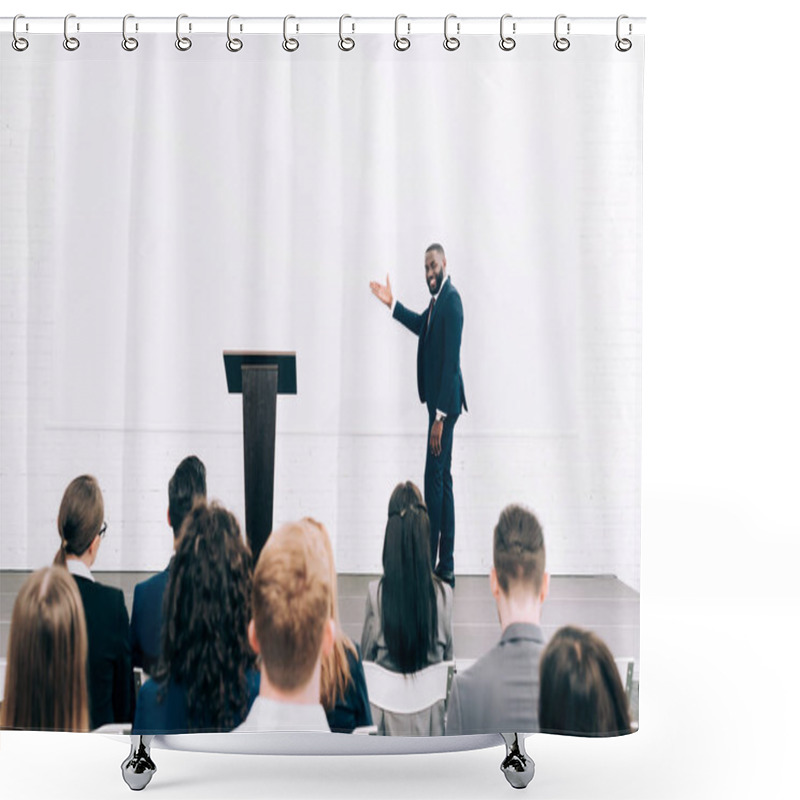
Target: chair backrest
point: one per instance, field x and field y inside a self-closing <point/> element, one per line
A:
<point x="406" y="694"/>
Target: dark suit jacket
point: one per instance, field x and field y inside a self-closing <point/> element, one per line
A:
<point x="146" y="621"/>
<point x="439" y="379"/>
<point x="499" y="693"/>
<point x="110" y="673"/>
<point x="352" y="711"/>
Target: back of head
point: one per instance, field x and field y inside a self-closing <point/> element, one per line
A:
<point x="80" y="517"/>
<point x="187" y="484"/>
<point x="292" y="594"/>
<point x="519" y="554"/>
<point x="580" y="689"/>
<point x="408" y="588"/>
<point x="335" y="668"/>
<point x="45" y="686"/>
<point x="206" y="613"/>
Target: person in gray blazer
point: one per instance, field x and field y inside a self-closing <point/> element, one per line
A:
<point x="499" y="693"/>
<point x="408" y="624"/>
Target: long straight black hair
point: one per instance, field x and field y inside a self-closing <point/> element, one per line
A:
<point x="408" y="588"/>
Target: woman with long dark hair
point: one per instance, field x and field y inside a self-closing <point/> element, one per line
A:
<point x="409" y="615"/>
<point x="45" y="685"/>
<point x="81" y="529"/>
<point x="206" y="679"/>
<point x="580" y="690"/>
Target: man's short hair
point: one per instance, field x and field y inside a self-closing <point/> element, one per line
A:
<point x="435" y="246"/>
<point x="518" y="549"/>
<point x="187" y="484"/>
<point x="291" y="603"/>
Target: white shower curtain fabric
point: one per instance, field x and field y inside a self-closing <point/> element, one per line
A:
<point x="159" y="207"/>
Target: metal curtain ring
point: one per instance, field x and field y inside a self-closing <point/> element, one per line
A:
<point x="289" y="45"/>
<point x="623" y="45"/>
<point x="451" y="42"/>
<point x="18" y="42"/>
<point x="401" y="43"/>
<point x="70" y="42"/>
<point x="233" y="44"/>
<point x="506" y="42"/>
<point x="346" y="43"/>
<point x="181" y="42"/>
<point x="129" y="43"/>
<point x="561" y="43"/>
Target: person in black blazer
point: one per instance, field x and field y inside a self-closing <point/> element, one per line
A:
<point x="186" y="485"/>
<point x="110" y="675"/>
<point x="441" y="387"/>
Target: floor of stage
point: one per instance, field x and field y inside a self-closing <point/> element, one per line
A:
<point x="601" y="603"/>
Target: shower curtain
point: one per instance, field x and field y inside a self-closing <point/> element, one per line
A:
<point x="161" y="205"/>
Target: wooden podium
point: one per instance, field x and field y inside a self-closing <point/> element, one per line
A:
<point x="259" y="377"/>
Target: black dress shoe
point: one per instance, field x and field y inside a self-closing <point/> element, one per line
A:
<point x="446" y="576"/>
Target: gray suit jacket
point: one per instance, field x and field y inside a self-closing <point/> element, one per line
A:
<point x="373" y="642"/>
<point x="499" y="693"/>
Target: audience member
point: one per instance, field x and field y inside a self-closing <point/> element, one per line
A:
<point x="500" y="692"/>
<point x="187" y="484"/>
<point x="81" y="528"/>
<point x="292" y="629"/>
<point x="45" y="687"/>
<point x="344" y="687"/>
<point x="206" y="679"/>
<point x="581" y="690"/>
<point x="409" y="615"/>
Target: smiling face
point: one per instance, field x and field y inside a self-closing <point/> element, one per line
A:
<point x="435" y="264"/>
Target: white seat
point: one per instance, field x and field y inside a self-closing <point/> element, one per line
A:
<point x="406" y="694"/>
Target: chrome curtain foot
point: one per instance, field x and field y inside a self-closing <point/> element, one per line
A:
<point x="138" y="768"/>
<point x="518" y="766"/>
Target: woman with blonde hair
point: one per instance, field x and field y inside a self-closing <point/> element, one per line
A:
<point x="344" y="687"/>
<point x="81" y="529"/>
<point x="45" y="686"/>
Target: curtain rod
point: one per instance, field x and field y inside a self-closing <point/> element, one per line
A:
<point x="329" y="25"/>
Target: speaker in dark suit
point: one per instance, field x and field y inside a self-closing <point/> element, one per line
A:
<point x="441" y="387"/>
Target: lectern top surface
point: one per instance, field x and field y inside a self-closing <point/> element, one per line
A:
<point x="286" y="362"/>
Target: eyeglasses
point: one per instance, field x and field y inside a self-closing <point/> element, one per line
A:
<point x="103" y="530"/>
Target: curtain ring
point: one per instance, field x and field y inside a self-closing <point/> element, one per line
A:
<point x="234" y="45"/>
<point x="401" y="43"/>
<point x="129" y="43"/>
<point x="561" y="43"/>
<point x="451" y="42"/>
<point x="346" y="43"/>
<point x="183" y="43"/>
<point x="18" y="42"/>
<point x="506" y="42"/>
<point x="70" y="42"/>
<point x="623" y="45"/>
<point x="289" y="45"/>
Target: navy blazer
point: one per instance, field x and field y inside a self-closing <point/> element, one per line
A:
<point x="439" y="379"/>
<point x="110" y="674"/>
<point x="146" y="621"/>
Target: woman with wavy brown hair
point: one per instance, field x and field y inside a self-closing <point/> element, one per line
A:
<point x="45" y="686"/>
<point x="81" y="530"/>
<point x="344" y="686"/>
<point x="206" y="679"/>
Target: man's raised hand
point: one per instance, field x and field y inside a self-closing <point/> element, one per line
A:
<point x="383" y="293"/>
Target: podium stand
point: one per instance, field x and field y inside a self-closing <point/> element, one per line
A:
<point x="259" y="377"/>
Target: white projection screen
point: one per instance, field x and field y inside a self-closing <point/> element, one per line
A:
<point x="158" y="211"/>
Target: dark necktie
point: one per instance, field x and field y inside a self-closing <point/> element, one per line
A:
<point x="430" y="314"/>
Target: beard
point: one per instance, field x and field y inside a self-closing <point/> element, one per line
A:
<point x="437" y="283"/>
